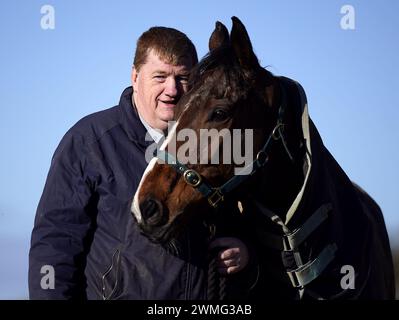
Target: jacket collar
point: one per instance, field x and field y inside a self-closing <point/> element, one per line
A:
<point x="130" y="119"/>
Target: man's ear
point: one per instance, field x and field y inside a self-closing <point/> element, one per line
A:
<point x="134" y="77"/>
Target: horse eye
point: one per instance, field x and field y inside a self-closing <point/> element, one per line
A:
<point x="219" y="115"/>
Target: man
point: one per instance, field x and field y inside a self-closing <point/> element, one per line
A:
<point x="85" y="243"/>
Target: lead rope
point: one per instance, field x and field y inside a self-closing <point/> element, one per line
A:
<point x="216" y="282"/>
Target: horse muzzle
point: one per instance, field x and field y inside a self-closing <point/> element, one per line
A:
<point x="153" y="213"/>
<point x="154" y="220"/>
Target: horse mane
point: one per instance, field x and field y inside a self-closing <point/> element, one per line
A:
<point x="220" y="57"/>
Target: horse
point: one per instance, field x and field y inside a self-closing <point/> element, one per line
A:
<point x="315" y="233"/>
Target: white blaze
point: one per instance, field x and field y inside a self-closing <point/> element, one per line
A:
<point x="135" y="205"/>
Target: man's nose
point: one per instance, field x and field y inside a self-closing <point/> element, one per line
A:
<point x="171" y="88"/>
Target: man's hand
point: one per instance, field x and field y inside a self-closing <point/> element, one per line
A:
<point x="233" y="255"/>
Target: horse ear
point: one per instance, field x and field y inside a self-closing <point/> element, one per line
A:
<point x="242" y="45"/>
<point x="219" y="36"/>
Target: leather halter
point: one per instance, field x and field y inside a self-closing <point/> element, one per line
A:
<point x="215" y="195"/>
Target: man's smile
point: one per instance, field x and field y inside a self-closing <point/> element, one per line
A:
<point x="168" y="103"/>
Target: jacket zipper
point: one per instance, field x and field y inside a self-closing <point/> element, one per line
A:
<point x="104" y="296"/>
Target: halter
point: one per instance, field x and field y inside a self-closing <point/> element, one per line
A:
<point x="215" y="195"/>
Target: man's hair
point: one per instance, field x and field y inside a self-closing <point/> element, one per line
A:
<point x="171" y="45"/>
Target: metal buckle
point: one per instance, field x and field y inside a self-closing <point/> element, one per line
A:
<point x="292" y="274"/>
<point x="261" y="157"/>
<point x="192" y="178"/>
<point x="215" y="198"/>
<point x="294" y="279"/>
<point x="309" y="271"/>
<point x="277" y="129"/>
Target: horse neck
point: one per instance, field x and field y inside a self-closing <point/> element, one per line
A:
<point x="282" y="178"/>
<point x="280" y="182"/>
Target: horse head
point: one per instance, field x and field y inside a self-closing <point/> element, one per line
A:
<point x="233" y="105"/>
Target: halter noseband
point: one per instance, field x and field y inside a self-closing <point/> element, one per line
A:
<point x="215" y="195"/>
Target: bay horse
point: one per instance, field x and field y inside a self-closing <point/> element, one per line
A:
<point x="315" y="234"/>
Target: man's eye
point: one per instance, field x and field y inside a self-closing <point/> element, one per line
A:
<point x="160" y="78"/>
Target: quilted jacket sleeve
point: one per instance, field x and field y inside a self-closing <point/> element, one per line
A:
<point x="62" y="228"/>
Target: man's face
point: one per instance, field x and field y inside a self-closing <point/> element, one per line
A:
<point x="157" y="87"/>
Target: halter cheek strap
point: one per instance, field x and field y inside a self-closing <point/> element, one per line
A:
<point x="190" y="176"/>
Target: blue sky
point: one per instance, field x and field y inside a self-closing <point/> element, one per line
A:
<point x="51" y="78"/>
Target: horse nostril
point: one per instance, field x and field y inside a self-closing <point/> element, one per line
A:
<point x="148" y="208"/>
<point x="152" y="212"/>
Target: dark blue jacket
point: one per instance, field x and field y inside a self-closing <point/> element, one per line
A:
<point x="84" y="228"/>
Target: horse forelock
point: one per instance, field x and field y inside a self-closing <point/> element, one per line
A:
<point x="221" y="61"/>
